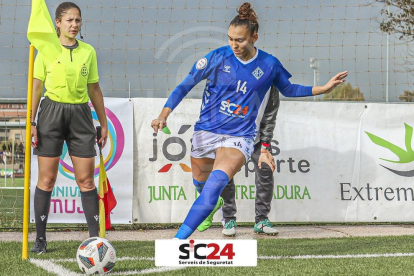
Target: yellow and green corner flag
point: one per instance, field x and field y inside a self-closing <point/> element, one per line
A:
<point x="42" y="33"/>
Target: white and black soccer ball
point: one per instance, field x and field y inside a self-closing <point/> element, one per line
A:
<point x="96" y="256"/>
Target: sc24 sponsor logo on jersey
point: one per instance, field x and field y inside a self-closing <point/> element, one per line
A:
<point x="201" y="252"/>
<point x="233" y="108"/>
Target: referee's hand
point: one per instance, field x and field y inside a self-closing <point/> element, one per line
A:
<point x="34" y="137"/>
<point x="104" y="136"/>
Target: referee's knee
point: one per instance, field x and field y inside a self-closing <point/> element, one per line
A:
<point x="46" y="182"/>
<point x="86" y="184"/>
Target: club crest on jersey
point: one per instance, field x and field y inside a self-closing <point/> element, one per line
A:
<point x="201" y="63"/>
<point x="257" y="73"/>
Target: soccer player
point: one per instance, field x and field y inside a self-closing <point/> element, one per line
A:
<point x="64" y="115"/>
<point x="264" y="180"/>
<point x="239" y="77"/>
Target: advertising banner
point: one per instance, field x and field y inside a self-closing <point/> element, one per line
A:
<point x="342" y="162"/>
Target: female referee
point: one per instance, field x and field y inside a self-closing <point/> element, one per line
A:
<point x="239" y="77"/>
<point x="64" y="115"/>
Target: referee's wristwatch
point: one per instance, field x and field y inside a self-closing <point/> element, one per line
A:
<point x="33" y="123"/>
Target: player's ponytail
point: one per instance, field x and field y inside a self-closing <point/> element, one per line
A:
<point x="246" y="17"/>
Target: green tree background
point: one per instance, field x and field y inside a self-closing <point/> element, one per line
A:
<point x="398" y="19"/>
<point x="407" y="96"/>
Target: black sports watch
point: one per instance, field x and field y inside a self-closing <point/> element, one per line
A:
<point x="33" y="123"/>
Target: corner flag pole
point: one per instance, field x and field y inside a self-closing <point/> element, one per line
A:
<point x="41" y="33"/>
<point x="26" y="200"/>
<point x="101" y="187"/>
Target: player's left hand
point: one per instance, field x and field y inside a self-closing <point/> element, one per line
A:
<point x="159" y="123"/>
<point x="334" y="82"/>
<point x="266" y="157"/>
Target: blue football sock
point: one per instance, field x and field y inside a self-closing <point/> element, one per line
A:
<point x="199" y="185"/>
<point x="204" y="204"/>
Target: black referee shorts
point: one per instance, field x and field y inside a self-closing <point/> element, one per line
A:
<point x="59" y="122"/>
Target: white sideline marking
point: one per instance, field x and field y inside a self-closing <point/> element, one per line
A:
<point x="50" y="266"/>
<point x="118" y="259"/>
<point x="150" y="270"/>
<point x="136" y="258"/>
<point x="349" y="256"/>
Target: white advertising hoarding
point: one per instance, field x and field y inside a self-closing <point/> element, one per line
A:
<point x="328" y="167"/>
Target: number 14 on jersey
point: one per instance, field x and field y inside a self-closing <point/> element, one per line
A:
<point x="241" y="87"/>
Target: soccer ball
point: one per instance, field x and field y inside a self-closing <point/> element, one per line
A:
<point x="96" y="256"/>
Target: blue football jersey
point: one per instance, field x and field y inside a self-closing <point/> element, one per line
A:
<point x="236" y="91"/>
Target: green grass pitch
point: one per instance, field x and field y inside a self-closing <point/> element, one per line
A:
<point x="141" y="258"/>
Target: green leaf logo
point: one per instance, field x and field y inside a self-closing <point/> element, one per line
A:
<point x="404" y="155"/>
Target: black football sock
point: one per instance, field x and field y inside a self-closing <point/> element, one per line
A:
<point x="90" y="204"/>
<point x="41" y="210"/>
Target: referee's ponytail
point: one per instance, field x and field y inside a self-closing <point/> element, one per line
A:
<point x="246" y="17"/>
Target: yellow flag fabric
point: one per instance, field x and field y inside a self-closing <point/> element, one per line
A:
<point x="107" y="200"/>
<point x="101" y="219"/>
<point x="42" y="33"/>
<point x="102" y="190"/>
